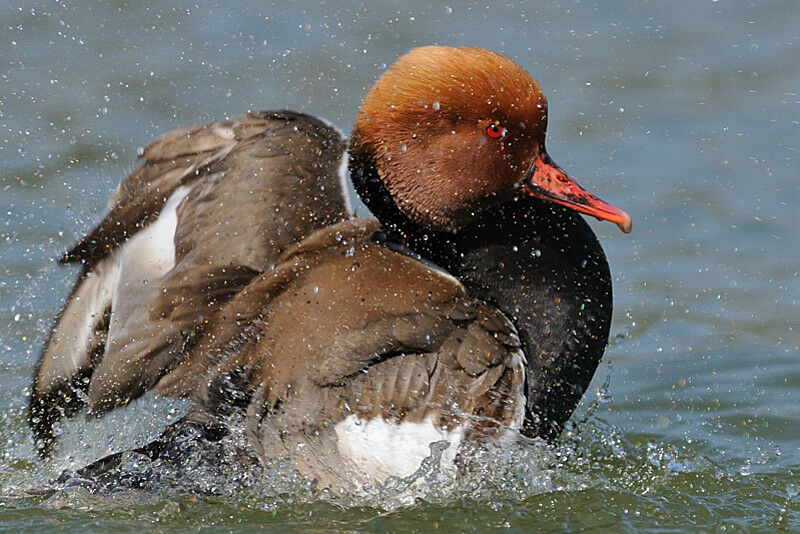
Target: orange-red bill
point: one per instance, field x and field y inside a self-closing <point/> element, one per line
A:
<point x="548" y="181"/>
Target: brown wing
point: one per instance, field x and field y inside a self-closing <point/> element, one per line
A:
<point x="266" y="195"/>
<point x="176" y="158"/>
<point x="252" y="187"/>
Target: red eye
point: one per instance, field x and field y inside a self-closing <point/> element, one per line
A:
<point x="495" y="131"/>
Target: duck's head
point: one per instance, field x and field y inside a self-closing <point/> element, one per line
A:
<point x="447" y="132"/>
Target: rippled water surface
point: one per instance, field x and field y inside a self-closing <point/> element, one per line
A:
<point x="686" y="114"/>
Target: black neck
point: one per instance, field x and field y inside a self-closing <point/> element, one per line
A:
<point x="543" y="267"/>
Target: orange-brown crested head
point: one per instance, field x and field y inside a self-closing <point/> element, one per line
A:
<point x="451" y="131"/>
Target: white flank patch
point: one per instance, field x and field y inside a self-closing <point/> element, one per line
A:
<point x="382" y="448"/>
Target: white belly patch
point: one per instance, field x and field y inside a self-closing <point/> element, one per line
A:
<point x="382" y="448"/>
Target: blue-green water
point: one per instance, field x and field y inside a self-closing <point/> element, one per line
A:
<point x="685" y="114"/>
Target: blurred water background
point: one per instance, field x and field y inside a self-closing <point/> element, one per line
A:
<point x="685" y="114"/>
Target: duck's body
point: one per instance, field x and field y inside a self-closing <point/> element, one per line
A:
<point x="469" y="313"/>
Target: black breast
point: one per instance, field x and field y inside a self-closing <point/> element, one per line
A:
<point x="543" y="266"/>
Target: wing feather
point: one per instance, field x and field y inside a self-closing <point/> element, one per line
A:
<point x="243" y="191"/>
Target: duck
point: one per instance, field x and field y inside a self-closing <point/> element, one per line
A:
<point x="475" y="307"/>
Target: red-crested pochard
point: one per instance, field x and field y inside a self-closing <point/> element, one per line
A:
<point x="477" y="306"/>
